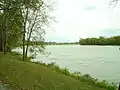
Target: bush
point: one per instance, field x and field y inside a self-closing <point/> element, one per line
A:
<point x="65" y="71"/>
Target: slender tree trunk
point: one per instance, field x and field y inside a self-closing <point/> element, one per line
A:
<point x="27" y="48"/>
<point x="5" y="42"/>
<point x="24" y="31"/>
<point x="5" y="35"/>
<point x="1" y="49"/>
<point x="0" y="46"/>
<point x="29" y="36"/>
<point x="6" y="28"/>
<point x="2" y="40"/>
<point x="24" y="44"/>
<point x="28" y="41"/>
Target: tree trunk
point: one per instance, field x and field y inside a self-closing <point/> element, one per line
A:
<point x="24" y="45"/>
<point x="6" y="28"/>
<point x="29" y="36"/>
<point x="5" y="35"/>
<point x="24" y="31"/>
<point x="28" y="41"/>
<point x="5" y="43"/>
<point x="1" y="42"/>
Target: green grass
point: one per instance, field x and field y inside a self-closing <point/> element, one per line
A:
<point x="33" y="76"/>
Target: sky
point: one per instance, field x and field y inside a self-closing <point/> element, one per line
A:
<point x="84" y="18"/>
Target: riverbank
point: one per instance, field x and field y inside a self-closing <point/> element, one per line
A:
<point x="35" y="76"/>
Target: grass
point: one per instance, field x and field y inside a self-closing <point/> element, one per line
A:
<point x="21" y="75"/>
<point x="82" y="78"/>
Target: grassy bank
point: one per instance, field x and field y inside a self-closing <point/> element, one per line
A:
<point x="34" y="76"/>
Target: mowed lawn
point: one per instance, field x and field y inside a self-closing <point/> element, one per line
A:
<point x="30" y="76"/>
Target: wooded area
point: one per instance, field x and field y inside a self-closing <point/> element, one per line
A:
<point x="115" y="40"/>
<point x="22" y="21"/>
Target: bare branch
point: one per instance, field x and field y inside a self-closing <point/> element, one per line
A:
<point x="113" y="2"/>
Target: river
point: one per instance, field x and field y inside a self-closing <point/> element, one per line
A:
<point x="102" y="62"/>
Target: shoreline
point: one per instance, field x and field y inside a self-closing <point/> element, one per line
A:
<point x="33" y="70"/>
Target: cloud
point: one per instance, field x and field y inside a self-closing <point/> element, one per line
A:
<point x="110" y="32"/>
<point x="84" y="18"/>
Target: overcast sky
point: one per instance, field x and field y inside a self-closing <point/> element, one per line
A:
<point x="84" y="18"/>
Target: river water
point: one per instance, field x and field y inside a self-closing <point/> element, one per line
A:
<point x="102" y="62"/>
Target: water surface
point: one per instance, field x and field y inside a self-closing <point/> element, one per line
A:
<point x="102" y="62"/>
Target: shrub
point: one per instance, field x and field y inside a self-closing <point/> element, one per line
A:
<point x="65" y="71"/>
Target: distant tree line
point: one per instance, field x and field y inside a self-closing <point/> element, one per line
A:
<point x="64" y="43"/>
<point x="114" y="40"/>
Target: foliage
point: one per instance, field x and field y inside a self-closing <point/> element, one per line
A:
<point x="115" y="40"/>
<point x="10" y="24"/>
<point x="65" y="43"/>
<point x="36" y="17"/>
<point x="23" y="22"/>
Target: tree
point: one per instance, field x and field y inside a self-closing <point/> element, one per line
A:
<point x="23" y="20"/>
<point x="115" y="40"/>
<point x="10" y="24"/>
<point x="35" y="18"/>
<point x="32" y="21"/>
